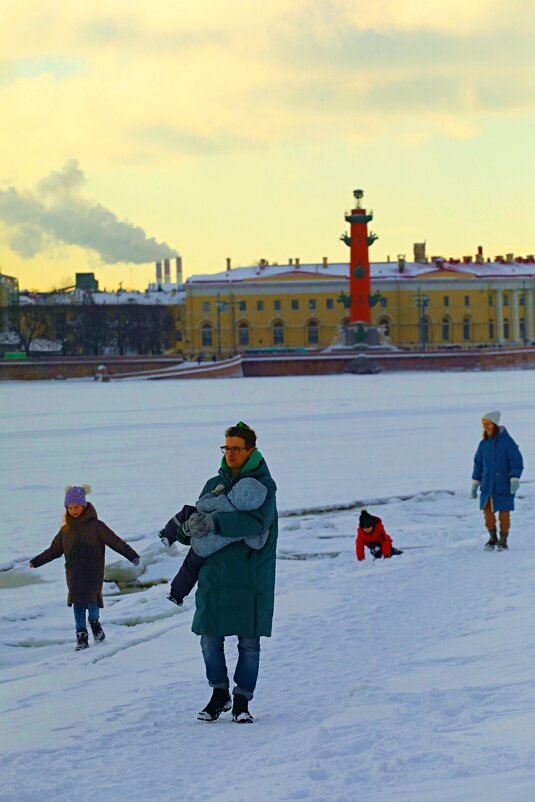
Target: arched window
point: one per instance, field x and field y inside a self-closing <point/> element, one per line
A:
<point x="278" y="333"/>
<point x="446" y="329"/>
<point x="491" y="329"/>
<point x="206" y="334"/>
<point x="467" y="329"/>
<point x="384" y="322"/>
<point x="243" y="333"/>
<point x="313" y="332"/>
<point x="506" y="332"/>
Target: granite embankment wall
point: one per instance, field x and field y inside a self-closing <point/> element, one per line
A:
<point x="321" y="364"/>
<point x="74" y="367"/>
<point x="263" y="365"/>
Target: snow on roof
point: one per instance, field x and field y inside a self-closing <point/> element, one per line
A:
<point x="378" y="270"/>
<point x="165" y="297"/>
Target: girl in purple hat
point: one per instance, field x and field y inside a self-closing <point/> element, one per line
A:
<point x="83" y="540"/>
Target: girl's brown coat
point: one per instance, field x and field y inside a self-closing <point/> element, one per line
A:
<point x="83" y="541"/>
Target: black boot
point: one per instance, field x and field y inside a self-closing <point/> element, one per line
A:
<point x="219" y="703"/>
<point x="502" y="542"/>
<point x="81" y="641"/>
<point x="395" y="552"/>
<point x="492" y="541"/>
<point x="98" y="632"/>
<point x="240" y="710"/>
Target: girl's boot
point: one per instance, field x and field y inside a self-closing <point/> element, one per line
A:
<point x="81" y="641"/>
<point x="98" y="632"/>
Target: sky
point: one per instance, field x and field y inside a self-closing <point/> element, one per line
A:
<point x="220" y="129"/>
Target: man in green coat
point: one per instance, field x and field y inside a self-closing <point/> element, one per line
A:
<point x="236" y="586"/>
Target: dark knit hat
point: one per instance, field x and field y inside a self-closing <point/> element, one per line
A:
<point x="366" y="519"/>
<point x="76" y="495"/>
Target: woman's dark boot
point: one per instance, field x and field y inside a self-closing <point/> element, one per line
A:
<point x="492" y="541"/>
<point x="502" y="542"/>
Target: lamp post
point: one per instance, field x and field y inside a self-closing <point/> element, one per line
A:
<point x="221" y="306"/>
<point x="422" y="302"/>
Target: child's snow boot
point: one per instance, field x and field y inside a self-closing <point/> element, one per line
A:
<point x="219" y="703"/>
<point x="98" y="632"/>
<point x="394" y="551"/>
<point x="492" y="541"/>
<point x="502" y="542"/>
<point x="166" y="538"/>
<point x="81" y="641"/>
<point x="240" y="710"/>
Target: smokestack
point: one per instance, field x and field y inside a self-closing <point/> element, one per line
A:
<point x="167" y="271"/>
<point x="401" y="263"/>
<point x="479" y="255"/>
<point x="290" y="261"/>
<point x="325" y="262"/>
<point x="228" y="263"/>
<point x="419" y="251"/>
<point x="179" y="270"/>
<point x="297" y="262"/>
<point x="510" y="258"/>
<point x="158" y="272"/>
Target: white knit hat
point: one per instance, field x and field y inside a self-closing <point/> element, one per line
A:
<point x="493" y="416"/>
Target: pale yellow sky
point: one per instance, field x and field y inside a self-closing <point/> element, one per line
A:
<point x="131" y="131"/>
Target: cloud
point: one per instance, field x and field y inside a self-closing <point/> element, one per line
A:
<point x="120" y="31"/>
<point x="194" y="143"/>
<point x="56" y="212"/>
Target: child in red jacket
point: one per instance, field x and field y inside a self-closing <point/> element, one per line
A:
<point x="371" y="533"/>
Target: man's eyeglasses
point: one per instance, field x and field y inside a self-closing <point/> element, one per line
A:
<point x="232" y="449"/>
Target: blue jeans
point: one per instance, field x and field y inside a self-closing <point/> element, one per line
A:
<point x="246" y="673"/>
<point x="79" y="615"/>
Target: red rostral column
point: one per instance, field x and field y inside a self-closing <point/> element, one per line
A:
<point x="359" y="265"/>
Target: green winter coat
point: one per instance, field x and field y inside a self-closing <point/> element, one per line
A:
<point x="236" y="588"/>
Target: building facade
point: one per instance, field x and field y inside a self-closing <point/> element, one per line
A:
<point x="430" y="305"/>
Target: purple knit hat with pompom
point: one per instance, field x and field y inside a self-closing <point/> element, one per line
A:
<point x="75" y="495"/>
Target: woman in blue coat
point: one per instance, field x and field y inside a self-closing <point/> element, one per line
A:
<point x="497" y="470"/>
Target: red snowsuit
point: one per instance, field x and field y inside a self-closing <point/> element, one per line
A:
<point x="377" y="535"/>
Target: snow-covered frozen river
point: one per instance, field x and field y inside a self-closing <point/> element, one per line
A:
<point x="407" y="680"/>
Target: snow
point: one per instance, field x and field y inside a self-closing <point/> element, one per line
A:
<point x="402" y="680"/>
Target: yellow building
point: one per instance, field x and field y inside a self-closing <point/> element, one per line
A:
<point x="9" y="290"/>
<point x="435" y="304"/>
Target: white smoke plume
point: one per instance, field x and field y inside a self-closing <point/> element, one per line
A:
<point x="55" y="211"/>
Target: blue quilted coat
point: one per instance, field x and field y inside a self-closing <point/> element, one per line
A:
<point x="497" y="461"/>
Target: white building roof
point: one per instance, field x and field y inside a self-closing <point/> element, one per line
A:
<point x="378" y="270"/>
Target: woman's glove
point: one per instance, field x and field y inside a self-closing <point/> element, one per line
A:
<point x="515" y="484"/>
<point x="473" y="491"/>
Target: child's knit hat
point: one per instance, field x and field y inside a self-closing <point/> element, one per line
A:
<point x="366" y="519"/>
<point x="76" y="495"/>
